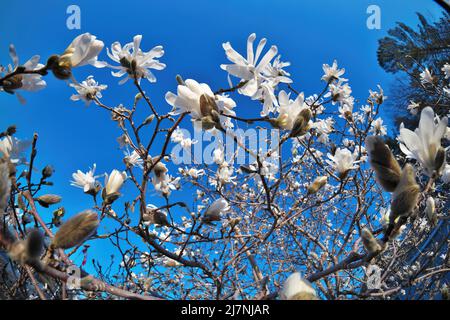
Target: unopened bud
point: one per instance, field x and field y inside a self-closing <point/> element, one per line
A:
<point x="5" y="184"/>
<point x="406" y="195"/>
<point x="48" y="199"/>
<point x="60" y="69"/>
<point x="439" y="161"/>
<point x="180" y="80"/>
<point x="383" y="162"/>
<point x="370" y="243"/>
<point x="76" y="230"/>
<point x="34" y="244"/>
<point x="317" y="184"/>
<point x="47" y="172"/>
<point x="430" y="211"/>
<point x="301" y="123"/>
<point x="155" y="216"/>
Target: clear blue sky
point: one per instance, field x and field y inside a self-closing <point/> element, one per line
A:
<point x="307" y="33"/>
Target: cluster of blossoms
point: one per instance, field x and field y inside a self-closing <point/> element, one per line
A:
<point x="261" y="208"/>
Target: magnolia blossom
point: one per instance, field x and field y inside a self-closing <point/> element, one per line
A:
<point x="297" y="288"/>
<point x="249" y="69"/>
<point x="26" y="82"/>
<point x="188" y="100"/>
<point x="332" y="73"/>
<point x="224" y="174"/>
<point x="424" y="143"/>
<point x="377" y="127"/>
<point x="323" y="128"/>
<point x="83" y="50"/>
<point x="289" y="109"/>
<point x="114" y="182"/>
<point x="162" y="181"/>
<point x="88" y="90"/>
<point x="413" y="107"/>
<point x="192" y="172"/>
<point x="133" y="159"/>
<point x="275" y="70"/>
<point x="340" y="92"/>
<point x="134" y="62"/>
<point x="426" y="76"/>
<point x="342" y="161"/>
<point x="179" y="137"/>
<point x="86" y="181"/>
<point x="214" y="211"/>
<point x="12" y="148"/>
<point x="446" y="70"/>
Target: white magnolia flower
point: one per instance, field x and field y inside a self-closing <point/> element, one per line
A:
<point x="332" y="73"/>
<point x="26" y="82"/>
<point x="225" y="174"/>
<point x="133" y="159"/>
<point x="446" y="70"/>
<point x="215" y="210"/>
<point x="377" y="127"/>
<point x="88" y="90"/>
<point x="134" y="62"/>
<point x="340" y="92"/>
<point x="323" y="128"/>
<point x="179" y="137"/>
<point x="275" y="70"/>
<point x="86" y="181"/>
<point x="188" y="96"/>
<point x="162" y="181"/>
<point x="413" y="107"/>
<point x="192" y="172"/>
<point x="249" y="69"/>
<point x="342" y="161"/>
<point x="219" y="155"/>
<point x="426" y="76"/>
<point x="114" y="182"/>
<point x="297" y="288"/>
<point x="12" y="148"/>
<point x="289" y="109"/>
<point x="423" y="144"/>
<point x="377" y="96"/>
<point x="83" y="50"/>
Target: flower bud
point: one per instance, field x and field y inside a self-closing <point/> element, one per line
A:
<point x="430" y="211"/>
<point x="148" y="120"/>
<point x="301" y="123"/>
<point x="214" y="211"/>
<point x="297" y="288"/>
<point x="439" y="160"/>
<point x="57" y="215"/>
<point x="370" y="242"/>
<point x="317" y="184"/>
<point x="34" y="244"/>
<point x="76" y="230"/>
<point x="406" y="194"/>
<point x="47" y="172"/>
<point x="48" y="199"/>
<point x="5" y="184"/>
<point x="60" y="69"/>
<point x="154" y="216"/>
<point x="383" y="162"/>
<point x="207" y="105"/>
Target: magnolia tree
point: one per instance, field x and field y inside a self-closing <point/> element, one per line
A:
<point x="302" y="200"/>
